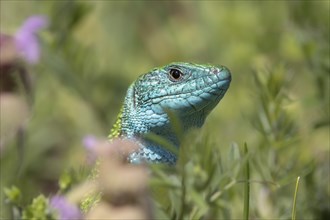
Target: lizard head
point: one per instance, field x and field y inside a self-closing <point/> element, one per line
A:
<point x="189" y="90"/>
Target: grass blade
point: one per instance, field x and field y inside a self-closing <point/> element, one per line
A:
<point x="246" y="186"/>
<point x="295" y="199"/>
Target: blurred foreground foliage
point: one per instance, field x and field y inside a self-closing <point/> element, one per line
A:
<point x="278" y="102"/>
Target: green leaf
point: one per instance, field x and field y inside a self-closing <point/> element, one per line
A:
<point x="163" y="142"/>
<point x="13" y="195"/>
<point x="39" y="209"/>
<point x="65" y="181"/>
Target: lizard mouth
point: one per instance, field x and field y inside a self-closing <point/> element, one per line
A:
<point x="209" y="99"/>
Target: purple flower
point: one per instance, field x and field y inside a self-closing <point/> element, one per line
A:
<point x="26" y="39"/>
<point x="90" y="143"/>
<point x="65" y="209"/>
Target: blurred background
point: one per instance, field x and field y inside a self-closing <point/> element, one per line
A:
<point x="278" y="102"/>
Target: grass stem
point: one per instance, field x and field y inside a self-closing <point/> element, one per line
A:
<point x="246" y="186"/>
<point x="295" y="199"/>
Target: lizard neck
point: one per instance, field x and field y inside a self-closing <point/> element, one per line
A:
<point x="136" y="122"/>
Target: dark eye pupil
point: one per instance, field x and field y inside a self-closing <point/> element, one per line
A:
<point x="175" y="73"/>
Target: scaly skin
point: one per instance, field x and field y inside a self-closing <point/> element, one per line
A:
<point x="189" y="90"/>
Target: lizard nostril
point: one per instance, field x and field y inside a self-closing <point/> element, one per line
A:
<point x="214" y="70"/>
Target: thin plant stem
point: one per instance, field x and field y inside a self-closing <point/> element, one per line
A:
<point x="295" y="199"/>
<point x="246" y="186"/>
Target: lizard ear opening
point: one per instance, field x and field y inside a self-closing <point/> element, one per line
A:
<point x="134" y="99"/>
<point x="131" y="98"/>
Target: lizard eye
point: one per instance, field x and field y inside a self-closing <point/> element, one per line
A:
<point x="175" y="74"/>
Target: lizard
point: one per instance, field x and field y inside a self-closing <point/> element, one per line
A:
<point x="190" y="91"/>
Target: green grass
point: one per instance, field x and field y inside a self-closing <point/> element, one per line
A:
<point x="246" y="187"/>
<point x="294" y="204"/>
